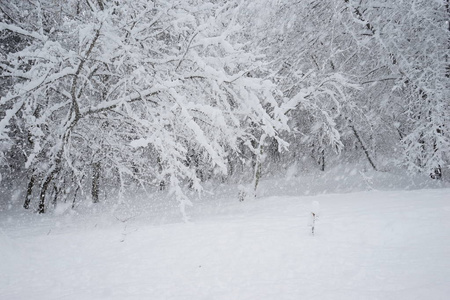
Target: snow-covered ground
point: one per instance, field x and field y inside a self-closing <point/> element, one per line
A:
<point x="367" y="245"/>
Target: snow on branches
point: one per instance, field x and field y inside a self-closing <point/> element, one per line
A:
<point x="155" y="92"/>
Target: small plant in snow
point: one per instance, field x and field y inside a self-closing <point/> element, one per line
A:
<point x="246" y="193"/>
<point x="124" y="221"/>
<point x="242" y="194"/>
<point x="314" y="215"/>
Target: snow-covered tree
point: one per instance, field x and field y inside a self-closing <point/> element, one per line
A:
<point x="408" y="43"/>
<point x="127" y="90"/>
<point x="157" y="94"/>
<point x="309" y="57"/>
<point x="360" y="74"/>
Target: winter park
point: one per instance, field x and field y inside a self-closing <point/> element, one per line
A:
<point x="226" y="149"/>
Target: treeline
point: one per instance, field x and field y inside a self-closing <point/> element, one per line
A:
<point x="169" y="94"/>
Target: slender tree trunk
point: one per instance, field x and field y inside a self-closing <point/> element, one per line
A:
<point x="42" y="195"/>
<point x="437" y="172"/>
<point x="95" y="191"/>
<point x="48" y="180"/>
<point x="76" y="193"/>
<point x="257" y="175"/>
<point x="230" y="166"/>
<point x="26" y="204"/>
<point x="162" y="183"/>
<point x="58" y="159"/>
<point x="363" y="146"/>
<point x="258" y="164"/>
<point x="55" y="196"/>
<point x="322" y="160"/>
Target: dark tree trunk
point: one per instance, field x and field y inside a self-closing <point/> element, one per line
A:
<point x="162" y="183"/>
<point x="322" y="160"/>
<point x="257" y="174"/>
<point x="363" y="146"/>
<point x="55" y="195"/>
<point x="42" y="195"/>
<point x="76" y="193"/>
<point x="257" y="166"/>
<point x="95" y="182"/>
<point x="48" y="180"/>
<point x="26" y="204"/>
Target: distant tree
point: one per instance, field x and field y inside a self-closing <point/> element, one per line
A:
<point x="360" y="75"/>
<point x="410" y="42"/>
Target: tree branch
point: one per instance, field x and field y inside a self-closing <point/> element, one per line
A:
<point x="18" y="30"/>
<point x="76" y="107"/>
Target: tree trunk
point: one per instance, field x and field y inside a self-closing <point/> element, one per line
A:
<point x="95" y="181"/>
<point x="322" y="160"/>
<point x="42" y="195"/>
<point x="76" y="193"/>
<point x="363" y="146"/>
<point x="162" y="183"/>
<point x="55" y="196"/>
<point x="26" y="204"/>
<point x="257" y="175"/>
<point x="48" y="180"/>
<point x="257" y="163"/>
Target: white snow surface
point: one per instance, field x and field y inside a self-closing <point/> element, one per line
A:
<point x="367" y="245"/>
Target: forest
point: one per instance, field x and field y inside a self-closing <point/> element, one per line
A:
<point x="225" y="149"/>
<point x="100" y="98"/>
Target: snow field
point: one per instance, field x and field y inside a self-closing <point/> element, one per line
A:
<point x="367" y="245"/>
